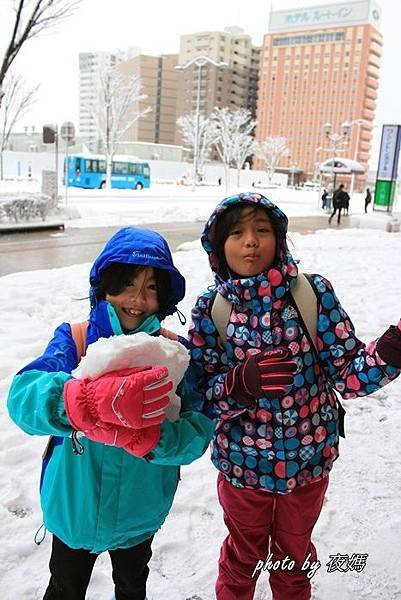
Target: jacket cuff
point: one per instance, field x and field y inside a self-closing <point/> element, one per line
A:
<point x="389" y="346"/>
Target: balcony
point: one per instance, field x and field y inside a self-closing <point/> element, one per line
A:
<point x="372" y="83"/>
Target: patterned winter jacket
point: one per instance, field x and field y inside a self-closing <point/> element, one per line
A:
<point x="290" y="441"/>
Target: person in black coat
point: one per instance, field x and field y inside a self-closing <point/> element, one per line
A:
<point x="368" y="199"/>
<point x="340" y="200"/>
<point x="325" y="199"/>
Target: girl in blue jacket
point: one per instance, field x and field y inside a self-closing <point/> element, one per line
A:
<point x="106" y="496"/>
<point x="278" y="418"/>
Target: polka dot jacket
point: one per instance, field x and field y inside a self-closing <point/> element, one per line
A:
<point x="290" y="441"/>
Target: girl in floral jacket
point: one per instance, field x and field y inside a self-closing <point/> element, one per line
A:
<point x="278" y="417"/>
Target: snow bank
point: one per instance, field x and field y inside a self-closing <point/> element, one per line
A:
<point x="121" y="352"/>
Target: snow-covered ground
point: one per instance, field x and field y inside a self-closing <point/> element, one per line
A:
<point x="362" y="511"/>
<point x="163" y="203"/>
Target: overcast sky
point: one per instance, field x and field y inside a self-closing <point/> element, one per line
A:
<point x="155" y="26"/>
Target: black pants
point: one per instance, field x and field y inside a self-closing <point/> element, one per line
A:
<point x="71" y="571"/>
<point x="334" y="212"/>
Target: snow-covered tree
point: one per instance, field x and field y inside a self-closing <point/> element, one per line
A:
<point x="271" y="150"/>
<point x="244" y="147"/>
<point x="206" y="137"/>
<point x="229" y="124"/>
<point x="116" y="110"/>
<point x="30" y="18"/>
<point x="17" y="100"/>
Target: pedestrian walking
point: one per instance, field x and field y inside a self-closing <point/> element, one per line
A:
<point x="324" y="199"/>
<point x="340" y="201"/>
<point x="368" y="199"/>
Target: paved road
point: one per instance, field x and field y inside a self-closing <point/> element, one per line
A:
<point x="50" y="249"/>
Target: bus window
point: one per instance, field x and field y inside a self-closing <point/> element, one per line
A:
<point x="134" y="169"/>
<point x="88" y="166"/>
<point x="120" y="168"/>
<point x="146" y="170"/>
<point x="102" y="166"/>
<point x="77" y="167"/>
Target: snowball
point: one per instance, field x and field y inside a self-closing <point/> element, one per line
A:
<point x="123" y="351"/>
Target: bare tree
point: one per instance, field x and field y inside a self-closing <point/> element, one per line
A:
<point x="116" y="111"/>
<point x="17" y="100"/>
<point x="230" y="123"/>
<point x="271" y="150"/>
<point x="244" y="146"/>
<point x="31" y="18"/>
<point x="206" y="137"/>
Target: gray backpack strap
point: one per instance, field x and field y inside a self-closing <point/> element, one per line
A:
<point x="305" y="299"/>
<point x="220" y="314"/>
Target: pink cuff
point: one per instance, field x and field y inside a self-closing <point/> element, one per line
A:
<point x="399" y="325"/>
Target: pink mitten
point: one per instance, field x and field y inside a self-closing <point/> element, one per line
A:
<point x="138" y="442"/>
<point x="135" y="397"/>
<point x="111" y="435"/>
<point x="143" y="440"/>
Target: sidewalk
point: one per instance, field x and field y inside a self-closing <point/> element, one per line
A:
<point x="372" y="220"/>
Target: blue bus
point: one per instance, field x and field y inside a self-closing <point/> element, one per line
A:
<point x="89" y="171"/>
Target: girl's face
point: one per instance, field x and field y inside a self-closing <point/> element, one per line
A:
<point x="137" y="301"/>
<point x="250" y="247"/>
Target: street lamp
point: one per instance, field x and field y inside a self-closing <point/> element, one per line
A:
<point x="317" y="178"/>
<point x="357" y="122"/>
<point x="199" y="62"/>
<point x="293" y="169"/>
<point x="336" y="140"/>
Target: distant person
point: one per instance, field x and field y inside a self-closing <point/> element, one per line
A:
<point x="325" y="199"/>
<point x="219" y="181"/>
<point x="368" y="199"/>
<point x="340" y="201"/>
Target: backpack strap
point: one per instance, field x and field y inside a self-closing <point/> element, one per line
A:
<point x="79" y="332"/>
<point x="220" y="314"/>
<point x="304" y="295"/>
<point x="170" y="335"/>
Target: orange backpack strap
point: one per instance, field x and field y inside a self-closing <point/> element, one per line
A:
<point x="168" y="334"/>
<point x="79" y="331"/>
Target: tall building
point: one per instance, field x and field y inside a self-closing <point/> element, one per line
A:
<point x="235" y="86"/>
<point x="159" y="85"/>
<point x="320" y="65"/>
<point x="90" y="65"/>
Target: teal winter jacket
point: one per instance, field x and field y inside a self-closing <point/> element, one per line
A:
<point x="105" y="498"/>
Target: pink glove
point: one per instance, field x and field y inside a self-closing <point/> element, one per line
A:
<point x="268" y="374"/>
<point x="135" y="397"/>
<point x="138" y="442"/>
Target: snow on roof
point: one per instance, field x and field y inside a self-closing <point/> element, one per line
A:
<point x="341" y="165"/>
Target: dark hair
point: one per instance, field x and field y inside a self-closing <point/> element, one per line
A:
<point x="229" y="218"/>
<point x="116" y="277"/>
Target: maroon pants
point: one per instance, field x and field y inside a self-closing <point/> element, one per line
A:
<point x="262" y="524"/>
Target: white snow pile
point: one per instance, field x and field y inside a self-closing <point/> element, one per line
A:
<point x="122" y="352"/>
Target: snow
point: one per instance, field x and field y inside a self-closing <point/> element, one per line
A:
<point x="177" y="203"/>
<point x="362" y="511"/>
<point x="122" y="352"/>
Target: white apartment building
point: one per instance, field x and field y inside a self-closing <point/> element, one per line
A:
<point x="90" y="64"/>
<point x="235" y="86"/>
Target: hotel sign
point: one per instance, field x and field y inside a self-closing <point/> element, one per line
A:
<point x="327" y="15"/>
<point x="389" y="152"/>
